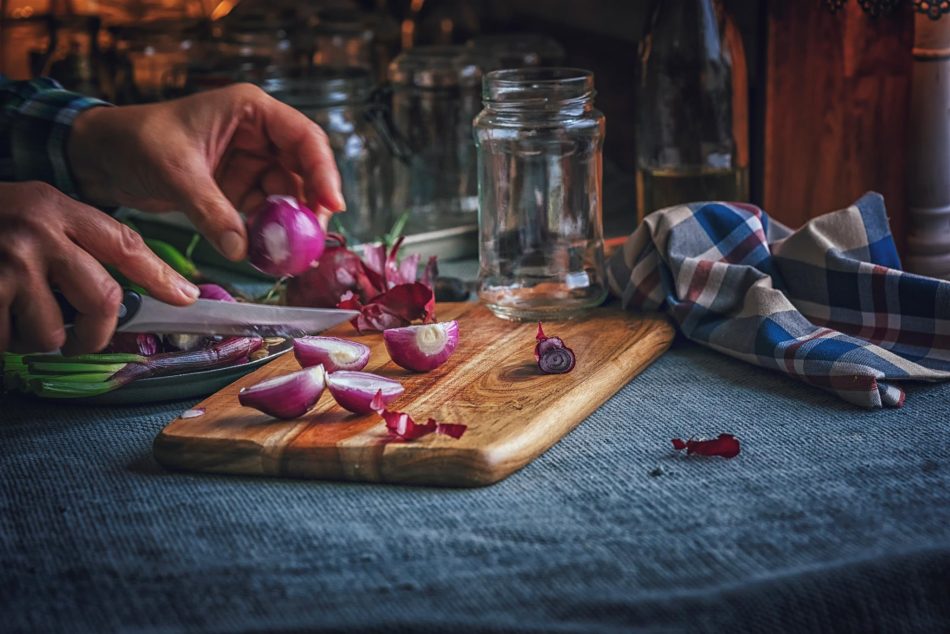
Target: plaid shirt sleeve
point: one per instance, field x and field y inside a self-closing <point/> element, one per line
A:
<point x="35" y="119"/>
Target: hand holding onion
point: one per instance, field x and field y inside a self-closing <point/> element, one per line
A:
<point x="209" y="155"/>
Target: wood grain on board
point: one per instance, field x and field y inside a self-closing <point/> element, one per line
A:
<point x="490" y="383"/>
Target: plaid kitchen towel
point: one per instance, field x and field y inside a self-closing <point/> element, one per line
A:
<point x="827" y="304"/>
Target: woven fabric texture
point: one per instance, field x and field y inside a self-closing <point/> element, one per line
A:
<point x="832" y="519"/>
<point x="827" y="304"/>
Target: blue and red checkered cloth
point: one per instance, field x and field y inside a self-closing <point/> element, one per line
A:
<point x="827" y="304"/>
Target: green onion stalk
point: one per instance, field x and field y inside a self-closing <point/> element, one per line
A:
<point x="56" y="376"/>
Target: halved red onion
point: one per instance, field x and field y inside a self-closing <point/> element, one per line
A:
<point x="422" y="348"/>
<point x="355" y="390"/>
<point x="284" y="237"/>
<point x="288" y="396"/>
<point x="333" y="352"/>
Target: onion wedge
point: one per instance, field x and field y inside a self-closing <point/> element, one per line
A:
<point x="288" y="396"/>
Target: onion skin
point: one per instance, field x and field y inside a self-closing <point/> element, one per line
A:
<point x="417" y="347"/>
<point x="284" y="237"/>
<point x="286" y="397"/>
<point x="311" y="351"/>
<point x="359" y="399"/>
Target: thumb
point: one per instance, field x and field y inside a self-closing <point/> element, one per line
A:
<point x="213" y="215"/>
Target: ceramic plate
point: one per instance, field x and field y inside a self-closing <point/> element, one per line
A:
<point x="181" y="386"/>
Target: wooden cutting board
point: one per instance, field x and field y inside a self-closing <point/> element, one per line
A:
<point x="491" y="383"/>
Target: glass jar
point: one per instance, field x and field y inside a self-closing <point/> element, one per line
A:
<point x="435" y="98"/>
<point x="343" y="38"/>
<point x="540" y="144"/>
<point x="516" y="50"/>
<point x="692" y="109"/>
<point x="343" y="101"/>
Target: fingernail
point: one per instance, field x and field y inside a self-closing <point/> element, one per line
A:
<point x="232" y="245"/>
<point x="188" y="289"/>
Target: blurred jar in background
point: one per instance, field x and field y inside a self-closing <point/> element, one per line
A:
<point x="344" y="102"/>
<point x="440" y="22"/>
<point x="342" y="38"/>
<point x="75" y="62"/>
<point x="692" y="120"/>
<point x="149" y="58"/>
<point x="268" y="31"/>
<point x="516" y="50"/>
<point x="24" y="38"/>
<point x="436" y="95"/>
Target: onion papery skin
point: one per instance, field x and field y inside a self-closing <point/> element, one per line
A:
<point x="354" y="391"/>
<point x="333" y="353"/>
<point x="422" y="348"/>
<point x="287" y="397"/>
<point x="284" y="237"/>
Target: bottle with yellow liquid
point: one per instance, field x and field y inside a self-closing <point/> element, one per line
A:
<point x="692" y="108"/>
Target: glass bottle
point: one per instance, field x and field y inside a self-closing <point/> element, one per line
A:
<point x="343" y="101"/>
<point x="692" y="120"/>
<point x="540" y="145"/>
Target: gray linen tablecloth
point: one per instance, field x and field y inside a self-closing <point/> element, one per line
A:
<point x="831" y="519"/>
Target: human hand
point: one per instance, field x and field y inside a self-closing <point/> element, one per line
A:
<point x="50" y="240"/>
<point x="208" y="155"/>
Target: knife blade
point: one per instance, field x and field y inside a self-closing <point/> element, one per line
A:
<point x="140" y="313"/>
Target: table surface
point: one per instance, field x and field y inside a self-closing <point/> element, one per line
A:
<point x="832" y="517"/>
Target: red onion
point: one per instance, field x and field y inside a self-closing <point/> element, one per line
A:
<point x="214" y="291"/>
<point x="284" y="237"/>
<point x="287" y="397"/>
<point x="143" y="343"/>
<point x="552" y="356"/>
<point x="355" y="390"/>
<point x="334" y="353"/>
<point x="422" y="348"/>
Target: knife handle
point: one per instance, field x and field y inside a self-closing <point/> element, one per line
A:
<point x="131" y="302"/>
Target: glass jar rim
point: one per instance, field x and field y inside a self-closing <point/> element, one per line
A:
<point x="324" y="87"/>
<point x="436" y="66"/>
<point x="543" y="84"/>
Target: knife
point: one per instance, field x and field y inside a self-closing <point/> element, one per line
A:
<point x="140" y="313"/>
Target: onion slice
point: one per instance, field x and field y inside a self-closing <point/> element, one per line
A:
<point x="551" y="355"/>
<point x="288" y="396"/>
<point x="333" y="352"/>
<point x="422" y="348"/>
<point x="355" y="390"/>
